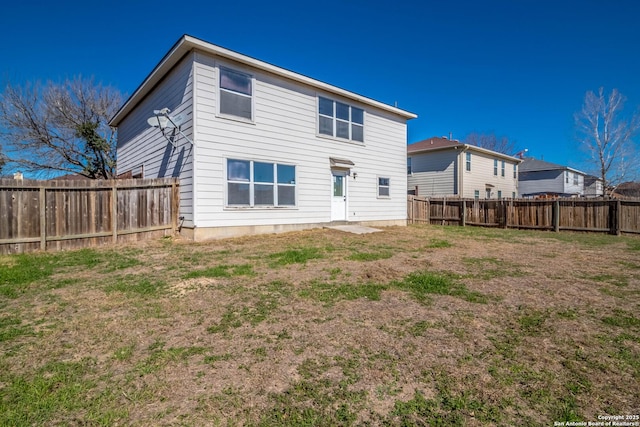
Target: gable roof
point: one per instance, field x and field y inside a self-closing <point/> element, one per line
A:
<point x="534" y="165"/>
<point x="433" y="143"/>
<point x="188" y="43"/>
<point x="442" y="143"/>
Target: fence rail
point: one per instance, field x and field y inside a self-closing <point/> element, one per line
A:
<point x="591" y="215"/>
<point x="56" y="215"/>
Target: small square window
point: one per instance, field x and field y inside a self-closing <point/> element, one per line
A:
<point x="383" y="187"/>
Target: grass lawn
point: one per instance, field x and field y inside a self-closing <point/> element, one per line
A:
<point x="418" y="325"/>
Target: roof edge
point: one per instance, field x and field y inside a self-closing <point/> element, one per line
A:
<point x="188" y="43"/>
<point x="466" y="147"/>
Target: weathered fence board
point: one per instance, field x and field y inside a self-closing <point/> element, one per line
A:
<point x="592" y="215"/>
<point x="55" y="215"/>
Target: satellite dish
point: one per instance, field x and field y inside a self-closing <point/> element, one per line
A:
<point x="159" y="121"/>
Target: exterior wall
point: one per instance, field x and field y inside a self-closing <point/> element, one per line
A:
<point x="551" y="181"/>
<point x="571" y="188"/>
<point x="142" y="147"/>
<point x="481" y="176"/>
<point x="284" y="130"/>
<point x="434" y="173"/>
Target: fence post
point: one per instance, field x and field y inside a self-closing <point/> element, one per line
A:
<point x="617" y="217"/>
<point x="556" y="215"/>
<point x="175" y="207"/>
<point x="463" y="213"/>
<point x="504" y="213"/>
<point x="114" y="212"/>
<point x="43" y="218"/>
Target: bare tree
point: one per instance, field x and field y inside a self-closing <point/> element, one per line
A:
<point x="607" y="137"/>
<point x="490" y="141"/>
<point x="60" y="127"/>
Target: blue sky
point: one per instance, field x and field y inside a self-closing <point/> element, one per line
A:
<point x="518" y="68"/>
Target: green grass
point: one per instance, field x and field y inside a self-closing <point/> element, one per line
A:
<point x="52" y="393"/>
<point x="222" y="271"/>
<point x="12" y="327"/>
<point x="622" y="319"/>
<point x="425" y="283"/>
<point x="137" y="285"/>
<point x="329" y="293"/>
<point x="294" y="256"/>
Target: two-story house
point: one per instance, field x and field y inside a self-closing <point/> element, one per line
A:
<point x="443" y="167"/>
<point x="539" y="178"/>
<point x="261" y="149"/>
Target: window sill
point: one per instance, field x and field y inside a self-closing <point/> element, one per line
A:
<point x="341" y="140"/>
<point x="263" y="208"/>
<point x="235" y="119"/>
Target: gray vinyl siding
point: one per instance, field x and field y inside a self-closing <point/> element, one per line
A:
<point x="142" y="145"/>
<point x="434" y="173"/>
<point x="550" y="181"/>
<point x="284" y="131"/>
<point x="541" y="182"/>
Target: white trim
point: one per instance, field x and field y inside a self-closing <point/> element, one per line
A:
<point x="195" y="137"/>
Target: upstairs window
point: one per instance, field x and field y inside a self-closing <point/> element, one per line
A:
<point x="575" y="178"/>
<point x="515" y="172"/>
<point x="340" y="120"/>
<point x="409" y="171"/>
<point x="236" y="94"/>
<point x="468" y="167"/>
<point x="502" y="168"/>
<point x="495" y="167"/>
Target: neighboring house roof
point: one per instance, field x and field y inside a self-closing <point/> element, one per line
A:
<point x="188" y="43"/>
<point x="442" y="143"/>
<point x="530" y="164"/>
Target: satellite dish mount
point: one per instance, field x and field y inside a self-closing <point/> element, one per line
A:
<point x="169" y="125"/>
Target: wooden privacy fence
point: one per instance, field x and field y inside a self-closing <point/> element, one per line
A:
<point x="593" y="215"/>
<point x="55" y="215"/>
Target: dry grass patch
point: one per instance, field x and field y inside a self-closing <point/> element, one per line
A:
<point x="418" y="325"/>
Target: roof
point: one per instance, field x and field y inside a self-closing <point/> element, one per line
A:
<point x="442" y="143"/>
<point x="188" y="43"/>
<point x="433" y="143"/>
<point x="534" y="165"/>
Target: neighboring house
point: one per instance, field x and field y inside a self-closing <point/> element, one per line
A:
<point x="260" y="148"/>
<point x="544" y="179"/>
<point x="593" y="186"/>
<point x="443" y="167"/>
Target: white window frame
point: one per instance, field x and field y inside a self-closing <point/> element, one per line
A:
<point x="221" y="89"/>
<point x="379" y="186"/>
<point x="467" y="167"/>
<point x="515" y="171"/>
<point x="502" y="168"/>
<point x="252" y="183"/>
<point x="495" y="167"/>
<point x="409" y="166"/>
<point x="334" y="121"/>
